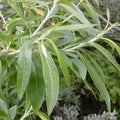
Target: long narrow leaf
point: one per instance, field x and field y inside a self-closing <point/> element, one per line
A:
<point x="89" y="8"/>
<point x="106" y="54"/>
<point x="0" y="74"/>
<point x="12" y="112"/>
<point x="97" y="66"/>
<point x="13" y="23"/>
<point x="80" y="71"/>
<point x="24" y="67"/>
<point x="51" y="78"/>
<point x="75" y="26"/>
<point x="17" y="6"/>
<point x="96" y="3"/>
<point x="80" y="16"/>
<point x="112" y="44"/>
<point x="43" y="116"/>
<point x="62" y="64"/>
<point x="81" y="67"/>
<point x="97" y="81"/>
<point x="3" y="108"/>
<point x="36" y="87"/>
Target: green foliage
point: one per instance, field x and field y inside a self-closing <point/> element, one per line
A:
<point x="38" y="45"/>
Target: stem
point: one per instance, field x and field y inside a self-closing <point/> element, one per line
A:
<point x="2" y="18"/>
<point x="82" y="44"/>
<point x="9" y="54"/>
<point x="105" y="20"/>
<point x="46" y="18"/>
<point x="26" y="114"/>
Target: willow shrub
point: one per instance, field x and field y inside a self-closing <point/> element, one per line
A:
<point x="40" y="37"/>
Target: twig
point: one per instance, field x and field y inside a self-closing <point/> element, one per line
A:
<point x="9" y="54"/>
<point x="46" y="18"/>
<point x="105" y="20"/>
<point x="26" y="114"/>
<point x="1" y="20"/>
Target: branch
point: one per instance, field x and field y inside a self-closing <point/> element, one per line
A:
<point x="1" y="20"/>
<point x="46" y="18"/>
<point x="9" y="54"/>
<point x="105" y="20"/>
<point x="26" y="114"/>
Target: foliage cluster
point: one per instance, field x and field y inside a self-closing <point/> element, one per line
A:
<point x="41" y="43"/>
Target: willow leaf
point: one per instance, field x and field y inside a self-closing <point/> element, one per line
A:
<point x="3" y="108"/>
<point x="12" y="112"/>
<point x="75" y="27"/>
<point x="36" y="87"/>
<point x="112" y="44"/>
<point x="97" y="81"/>
<point x="43" y="116"/>
<point x="24" y="67"/>
<point x="89" y="8"/>
<point x="13" y="23"/>
<point x="0" y="74"/>
<point x="62" y="64"/>
<point x="81" y="67"/>
<point x="51" y="78"/>
<point x="97" y="66"/>
<point x="75" y="11"/>
<point x="81" y="73"/>
<point x="96" y="3"/>
<point x="107" y="54"/>
<point x="18" y="7"/>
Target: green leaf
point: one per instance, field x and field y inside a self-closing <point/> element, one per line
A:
<point x="3" y="54"/>
<point x="112" y="44"/>
<point x="27" y="102"/>
<point x="97" y="66"/>
<point x="80" y="16"/>
<point x="75" y="26"/>
<point x="97" y="81"/>
<point x="106" y="54"/>
<point x="43" y="116"/>
<point x="77" y="71"/>
<point x="67" y="2"/>
<point x="89" y="8"/>
<point x="108" y="19"/>
<point x="36" y="87"/>
<point x="0" y="74"/>
<point x="12" y="112"/>
<point x="51" y="78"/>
<point x="7" y="38"/>
<point x="12" y="73"/>
<point x="69" y="63"/>
<point x="24" y="67"/>
<point x="81" y="68"/>
<point x="62" y="64"/>
<point x="17" y="6"/>
<point x="82" y="73"/>
<point x="13" y="23"/>
<point x="96" y="3"/>
<point x="31" y="1"/>
<point x="3" y="108"/>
